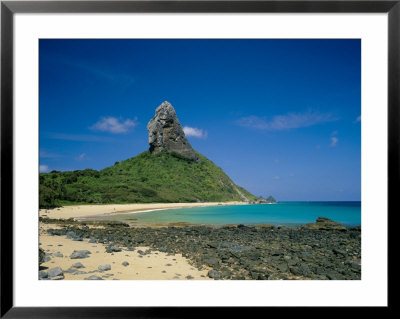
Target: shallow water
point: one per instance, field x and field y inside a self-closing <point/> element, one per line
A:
<point x="283" y="213"/>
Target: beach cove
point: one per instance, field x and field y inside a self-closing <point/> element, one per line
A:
<point x="82" y="211"/>
<point x="321" y="250"/>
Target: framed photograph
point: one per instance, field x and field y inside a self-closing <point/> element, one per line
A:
<point x="164" y="155"/>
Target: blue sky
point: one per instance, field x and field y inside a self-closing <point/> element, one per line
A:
<point x="280" y="117"/>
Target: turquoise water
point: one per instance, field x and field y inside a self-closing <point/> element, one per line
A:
<point x="283" y="213"/>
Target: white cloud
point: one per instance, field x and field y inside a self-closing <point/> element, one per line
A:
<point x="43" y="168"/>
<point x="81" y="157"/>
<point x="277" y="178"/>
<point x="334" y="141"/>
<point x="285" y="122"/>
<point x="194" y="132"/>
<point x="358" y="119"/>
<point x="114" y="125"/>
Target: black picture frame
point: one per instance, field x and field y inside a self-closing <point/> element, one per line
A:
<point x="9" y="8"/>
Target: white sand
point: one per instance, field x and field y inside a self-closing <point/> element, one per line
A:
<point x="78" y="211"/>
<point x="148" y="267"/>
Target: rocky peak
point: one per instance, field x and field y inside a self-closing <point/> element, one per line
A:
<point x="166" y="133"/>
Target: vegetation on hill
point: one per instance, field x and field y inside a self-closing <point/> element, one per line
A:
<point x="146" y="178"/>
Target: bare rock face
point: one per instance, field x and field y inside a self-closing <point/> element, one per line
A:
<point x="166" y="133"/>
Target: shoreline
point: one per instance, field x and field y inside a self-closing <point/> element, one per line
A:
<point x="324" y="250"/>
<point x="88" y="211"/>
<point x="141" y="263"/>
<point x="93" y="217"/>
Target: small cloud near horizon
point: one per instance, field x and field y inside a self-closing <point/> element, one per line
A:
<point x="43" y="168"/>
<point x="285" y="122"/>
<point x="277" y="178"/>
<point x="113" y="125"/>
<point x="195" y="132"/>
<point x="358" y="119"/>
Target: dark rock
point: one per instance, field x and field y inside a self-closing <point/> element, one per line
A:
<point x="356" y="266"/>
<point x="55" y="232"/>
<point x="74" y="271"/>
<point x="125" y="263"/>
<point x="246" y="252"/>
<point x="255" y="275"/>
<point x="77" y="254"/>
<point x="113" y="248"/>
<point x="55" y="273"/>
<point x="226" y="273"/>
<point x="43" y="274"/>
<point x="58" y="255"/>
<point x="323" y="223"/>
<point x="283" y="267"/>
<point x="339" y="252"/>
<point x="42" y="254"/>
<point x="105" y="267"/>
<point x="93" y="277"/>
<point x="78" y="265"/>
<point x="214" y="274"/>
<point x="70" y="234"/>
<point x="166" y="133"/>
<point x="301" y="270"/>
<point x="71" y="270"/>
<point x="212" y="262"/>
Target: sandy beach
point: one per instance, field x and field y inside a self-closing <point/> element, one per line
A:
<point x="77" y="250"/>
<point x="154" y="265"/>
<point x="80" y="211"/>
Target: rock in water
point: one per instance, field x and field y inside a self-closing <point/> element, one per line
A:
<point x="323" y="223"/>
<point x="166" y="133"/>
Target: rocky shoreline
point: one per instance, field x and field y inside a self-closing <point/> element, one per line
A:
<point x="324" y="250"/>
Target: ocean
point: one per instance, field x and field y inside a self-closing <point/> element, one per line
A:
<point x="282" y="213"/>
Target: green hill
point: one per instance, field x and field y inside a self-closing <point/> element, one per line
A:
<point x="146" y="178"/>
